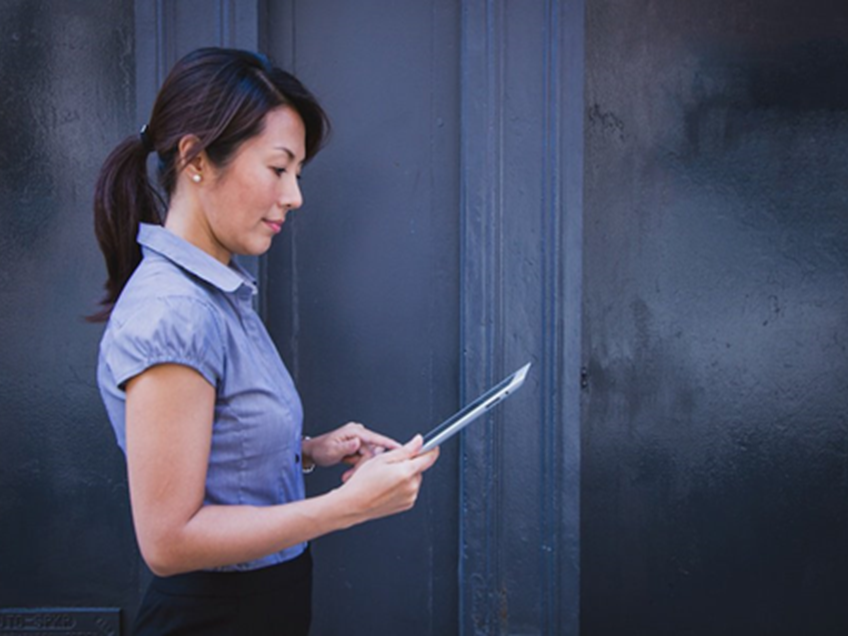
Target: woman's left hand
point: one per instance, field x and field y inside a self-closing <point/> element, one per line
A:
<point x="351" y="444"/>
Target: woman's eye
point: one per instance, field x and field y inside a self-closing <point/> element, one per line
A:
<point x="281" y="171"/>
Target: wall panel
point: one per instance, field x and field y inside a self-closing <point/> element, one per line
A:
<point x="68" y="96"/>
<point x="715" y="484"/>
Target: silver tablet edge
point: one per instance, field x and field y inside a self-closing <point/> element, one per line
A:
<point x="517" y="381"/>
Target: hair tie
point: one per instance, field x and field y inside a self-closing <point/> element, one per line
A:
<point x="145" y="139"/>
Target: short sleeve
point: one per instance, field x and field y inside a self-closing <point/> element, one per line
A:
<point x="170" y="330"/>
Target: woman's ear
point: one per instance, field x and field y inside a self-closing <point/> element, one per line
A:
<point x="190" y="159"/>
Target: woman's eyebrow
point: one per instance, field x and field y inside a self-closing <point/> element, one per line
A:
<point x="288" y="152"/>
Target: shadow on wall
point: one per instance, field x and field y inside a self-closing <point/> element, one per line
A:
<point x="770" y="132"/>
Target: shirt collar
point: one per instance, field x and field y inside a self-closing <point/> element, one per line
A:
<point x="193" y="259"/>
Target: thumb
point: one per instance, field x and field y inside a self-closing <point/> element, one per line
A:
<point x="350" y="446"/>
<point x="414" y="445"/>
<point x="407" y="451"/>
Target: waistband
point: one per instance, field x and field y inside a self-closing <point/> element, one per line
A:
<point x="229" y="584"/>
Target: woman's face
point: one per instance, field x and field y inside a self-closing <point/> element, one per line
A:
<point x="245" y="203"/>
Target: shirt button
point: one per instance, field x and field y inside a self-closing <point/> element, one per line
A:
<point x="296" y="458"/>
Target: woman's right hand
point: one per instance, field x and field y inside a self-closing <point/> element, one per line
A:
<point x="388" y="483"/>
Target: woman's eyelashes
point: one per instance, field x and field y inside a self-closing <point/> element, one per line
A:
<point x="281" y="171"/>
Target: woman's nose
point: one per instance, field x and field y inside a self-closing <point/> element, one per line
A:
<point x="291" y="197"/>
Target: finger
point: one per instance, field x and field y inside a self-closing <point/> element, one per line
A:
<point x="424" y="461"/>
<point x="416" y="489"/>
<point x="397" y="454"/>
<point x="366" y="451"/>
<point x="412" y="447"/>
<point x="350" y="472"/>
<point x="376" y="440"/>
<point x="353" y="446"/>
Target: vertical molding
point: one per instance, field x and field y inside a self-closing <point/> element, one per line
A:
<point x="226" y="23"/>
<point x="165" y="40"/>
<point x="240" y="24"/>
<point x="561" y="304"/>
<point x="551" y="324"/>
<point x="481" y="261"/>
<point x="163" y="33"/>
<point x="284" y="253"/>
<point x="146" y="57"/>
<point x="569" y="92"/>
<point x="487" y="291"/>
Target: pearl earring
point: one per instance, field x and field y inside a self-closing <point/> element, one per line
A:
<point x="196" y="178"/>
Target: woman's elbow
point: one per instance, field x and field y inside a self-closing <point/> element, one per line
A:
<point x="161" y="557"/>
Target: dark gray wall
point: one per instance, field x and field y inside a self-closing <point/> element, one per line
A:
<point x="715" y="481"/>
<point x="68" y="96"/>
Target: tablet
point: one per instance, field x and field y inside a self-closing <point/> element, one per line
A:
<point x="478" y="407"/>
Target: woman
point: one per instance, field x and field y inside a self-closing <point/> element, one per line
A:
<point x="201" y="403"/>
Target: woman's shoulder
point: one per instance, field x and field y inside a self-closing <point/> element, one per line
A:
<point x="158" y="282"/>
<point x="162" y="301"/>
<point x="164" y="315"/>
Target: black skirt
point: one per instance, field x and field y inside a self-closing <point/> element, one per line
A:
<point x="274" y="600"/>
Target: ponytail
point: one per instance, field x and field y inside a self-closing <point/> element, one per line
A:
<point x="123" y="198"/>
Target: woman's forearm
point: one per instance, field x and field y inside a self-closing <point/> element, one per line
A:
<point x="223" y="535"/>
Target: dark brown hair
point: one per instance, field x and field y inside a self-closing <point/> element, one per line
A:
<point x="221" y="96"/>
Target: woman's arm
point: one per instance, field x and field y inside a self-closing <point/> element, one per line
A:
<point x="169" y="432"/>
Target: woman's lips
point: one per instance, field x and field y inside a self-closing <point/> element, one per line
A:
<point x="275" y="226"/>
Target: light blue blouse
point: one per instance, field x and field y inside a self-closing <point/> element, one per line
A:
<point x="183" y="306"/>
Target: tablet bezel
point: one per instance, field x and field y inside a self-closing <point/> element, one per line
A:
<point x="475" y="409"/>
